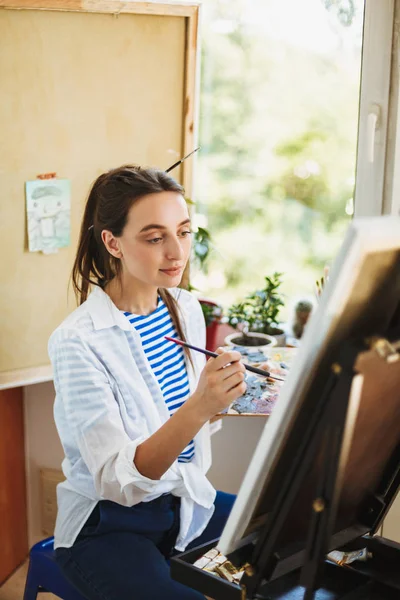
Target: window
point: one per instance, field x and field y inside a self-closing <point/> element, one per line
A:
<point x="280" y="88"/>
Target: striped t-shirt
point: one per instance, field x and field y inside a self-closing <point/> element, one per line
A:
<point x="166" y="360"/>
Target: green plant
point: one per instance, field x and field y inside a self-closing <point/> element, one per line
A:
<point x="200" y="252"/>
<point x="201" y="247"/>
<point x="259" y="311"/>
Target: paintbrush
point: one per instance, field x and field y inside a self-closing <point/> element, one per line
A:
<point x="181" y="160"/>
<point x="214" y="355"/>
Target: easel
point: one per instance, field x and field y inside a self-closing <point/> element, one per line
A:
<point x="327" y="433"/>
<point x="327" y="466"/>
<point x="328" y="423"/>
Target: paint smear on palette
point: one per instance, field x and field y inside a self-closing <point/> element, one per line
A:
<point x="260" y="397"/>
<point x="262" y="394"/>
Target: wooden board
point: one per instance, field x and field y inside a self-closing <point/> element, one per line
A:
<point x="13" y="519"/>
<point x="83" y="88"/>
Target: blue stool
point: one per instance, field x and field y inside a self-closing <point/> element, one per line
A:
<point x="44" y="574"/>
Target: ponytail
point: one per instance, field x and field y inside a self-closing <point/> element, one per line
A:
<point x="93" y="264"/>
<point x="173" y="309"/>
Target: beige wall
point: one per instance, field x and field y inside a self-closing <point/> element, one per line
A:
<point x="233" y="447"/>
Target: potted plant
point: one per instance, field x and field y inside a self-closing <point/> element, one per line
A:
<point x="256" y="317"/>
<point x="302" y="312"/>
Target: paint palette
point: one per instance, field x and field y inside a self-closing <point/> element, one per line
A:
<point x="262" y="393"/>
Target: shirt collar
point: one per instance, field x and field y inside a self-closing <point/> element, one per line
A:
<point x="104" y="313"/>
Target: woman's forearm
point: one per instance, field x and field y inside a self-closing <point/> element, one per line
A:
<point x="220" y="383"/>
<point x="155" y="455"/>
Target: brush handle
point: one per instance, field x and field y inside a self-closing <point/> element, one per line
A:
<point x="258" y="371"/>
<point x="214" y="354"/>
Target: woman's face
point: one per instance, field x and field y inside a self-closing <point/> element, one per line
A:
<point x="155" y="244"/>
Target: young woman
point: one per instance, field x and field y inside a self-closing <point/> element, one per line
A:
<point x="132" y="409"/>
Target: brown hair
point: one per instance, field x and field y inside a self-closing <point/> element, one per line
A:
<point x="107" y="207"/>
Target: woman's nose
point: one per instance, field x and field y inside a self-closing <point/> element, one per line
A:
<point x="174" y="249"/>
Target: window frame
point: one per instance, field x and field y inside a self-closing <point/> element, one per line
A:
<point x="376" y="69"/>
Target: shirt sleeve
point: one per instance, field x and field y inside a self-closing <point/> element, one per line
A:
<point x="92" y="413"/>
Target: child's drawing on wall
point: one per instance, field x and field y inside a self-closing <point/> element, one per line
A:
<point x="48" y="208"/>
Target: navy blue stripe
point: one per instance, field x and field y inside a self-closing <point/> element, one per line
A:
<point x="173" y="406"/>
<point x="188" y="455"/>
<point x="158" y="333"/>
<point x="189" y="450"/>
<point x="173" y="409"/>
<point x="148" y="327"/>
<point x="185" y="460"/>
<point x="162" y="344"/>
<point x="172" y="395"/>
<point x="176" y="397"/>
<point x="142" y="320"/>
<point x="180" y="369"/>
<point x="172" y="403"/>
<point x="179" y="361"/>
<point x="157" y="329"/>
<point x="159" y="336"/>
<point x="167" y="354"/>
<point x="173" y="382"/>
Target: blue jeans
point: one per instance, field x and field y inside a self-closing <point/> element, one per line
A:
<point x="121" y="552"/>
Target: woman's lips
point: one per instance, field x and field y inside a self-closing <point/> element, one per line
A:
<point x="172" y="272"/>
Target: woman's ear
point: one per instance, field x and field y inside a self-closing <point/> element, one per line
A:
<point x="111" y="243"/>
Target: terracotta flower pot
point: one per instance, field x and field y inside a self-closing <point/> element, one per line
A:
<point x="259" y="341"/>
<point x="279" y="335"/>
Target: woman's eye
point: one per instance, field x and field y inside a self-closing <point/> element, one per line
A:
<point x="185" y="233"/>
<point x="155" y="240"/>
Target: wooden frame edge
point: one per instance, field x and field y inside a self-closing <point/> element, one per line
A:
<point x="191" y="97"/>
<point x="115" y="7"/>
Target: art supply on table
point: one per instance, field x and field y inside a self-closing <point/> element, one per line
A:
<point x="214" y="355"/>
<point x="262" y="394"/>
<point x="259" y="398"/>
<point x="346" y="558"/>
<point x="216" y="563"/>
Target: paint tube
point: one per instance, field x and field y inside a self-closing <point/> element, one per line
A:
<point x="346" y="558"/>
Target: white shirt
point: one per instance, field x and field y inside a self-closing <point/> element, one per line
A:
<point x="108" y="402"/>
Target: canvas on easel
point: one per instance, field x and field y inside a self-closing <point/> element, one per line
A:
<point x="326" y="468"/>
<point x="361" y="298"/>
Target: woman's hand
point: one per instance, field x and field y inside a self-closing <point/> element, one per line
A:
<point x="221" y="383"/>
